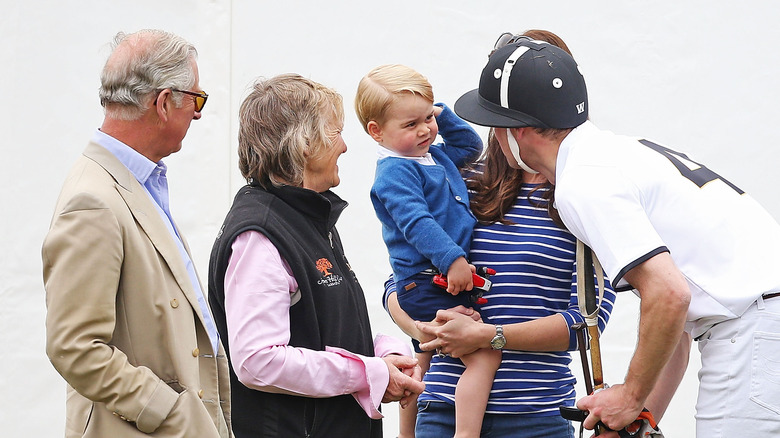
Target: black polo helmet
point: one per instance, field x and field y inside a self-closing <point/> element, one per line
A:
<point x="527" y="83"/>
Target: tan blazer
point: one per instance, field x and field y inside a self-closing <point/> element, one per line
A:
<point x="123" y="325"/>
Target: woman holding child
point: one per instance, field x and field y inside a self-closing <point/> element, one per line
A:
<point x="532" y="306"/>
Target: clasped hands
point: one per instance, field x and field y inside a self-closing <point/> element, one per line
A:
<point x="457" y="332"/>
<point x="405" y="379"/>
<point x="443" y="333"/>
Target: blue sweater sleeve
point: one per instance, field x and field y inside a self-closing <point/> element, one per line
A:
<point x="462" y="144"/>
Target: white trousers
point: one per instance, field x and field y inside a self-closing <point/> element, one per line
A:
<point x="739" y="381"/>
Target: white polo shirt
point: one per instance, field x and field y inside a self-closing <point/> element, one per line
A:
<point x="630" y="199"/>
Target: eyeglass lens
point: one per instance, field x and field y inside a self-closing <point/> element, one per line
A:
<point x="200" y="98"/>
<point x="200" y="102"/>
<point x="503" y="40"/>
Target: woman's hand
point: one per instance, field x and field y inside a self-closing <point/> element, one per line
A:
<point x="458" y="331"/>
<point x="405" y="379"/>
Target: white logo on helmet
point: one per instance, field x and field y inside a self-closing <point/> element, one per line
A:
<point x="557" y="83"/>
<point x="497" y="73"/>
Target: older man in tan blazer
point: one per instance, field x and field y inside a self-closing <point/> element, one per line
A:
<point x="127" y="323"/>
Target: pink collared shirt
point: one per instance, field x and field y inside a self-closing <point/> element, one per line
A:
<point x="258" y="293"/>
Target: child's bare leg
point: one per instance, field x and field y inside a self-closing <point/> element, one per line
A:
<point x="408" y="416"/>
<point x="473" y="391"/>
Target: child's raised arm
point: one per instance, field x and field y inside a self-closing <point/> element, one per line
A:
<point x="462" y="144"/>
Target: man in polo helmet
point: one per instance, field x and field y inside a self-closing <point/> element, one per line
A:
<point x="701" y="253"/>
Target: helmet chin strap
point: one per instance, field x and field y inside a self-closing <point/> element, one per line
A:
<point x="515" y="148"/>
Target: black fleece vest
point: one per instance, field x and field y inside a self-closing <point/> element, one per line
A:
<point x="331" y="311"/>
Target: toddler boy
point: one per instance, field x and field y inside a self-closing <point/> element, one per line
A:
<point x="422" y="202"/>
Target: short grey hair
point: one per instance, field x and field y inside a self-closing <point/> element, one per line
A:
<point x="283" y="122"/>
<point x="141" y="64"/>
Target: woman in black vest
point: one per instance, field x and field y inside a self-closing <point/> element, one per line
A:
<point x="288" y="307"/>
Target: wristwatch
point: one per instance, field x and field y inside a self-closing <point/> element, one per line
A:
<point x="499" y="341"/>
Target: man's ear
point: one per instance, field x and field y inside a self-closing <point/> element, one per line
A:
<point x="374" y="130"/>
<point x="164" y="104"/>
<point x="517" y="133"/>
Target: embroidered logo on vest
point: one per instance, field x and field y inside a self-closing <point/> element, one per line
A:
<point x="328" y="278"/>
<point x="323" y="265"/>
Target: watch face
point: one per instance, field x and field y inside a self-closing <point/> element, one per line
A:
<point x="498" y="340"/>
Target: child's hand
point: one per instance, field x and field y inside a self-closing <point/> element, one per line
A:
<point x="459" y="276"/>
<point x="437" y="110"/>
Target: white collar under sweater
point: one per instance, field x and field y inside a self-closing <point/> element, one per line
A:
<point x="383" y="152"/>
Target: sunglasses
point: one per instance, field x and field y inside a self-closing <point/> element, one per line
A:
<point x="506" y="39"/>
<point x="200" y="98"/>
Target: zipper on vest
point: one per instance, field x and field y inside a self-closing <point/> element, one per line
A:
<point x="341" y="260"/>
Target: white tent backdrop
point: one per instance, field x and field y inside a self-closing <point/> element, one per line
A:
<point x="698" y="76"/>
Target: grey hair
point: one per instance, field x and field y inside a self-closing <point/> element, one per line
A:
<point x="141" y="64"/>
<point x="283" y="122"/>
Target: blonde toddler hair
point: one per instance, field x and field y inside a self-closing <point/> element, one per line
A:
<point x="382" y="86"/>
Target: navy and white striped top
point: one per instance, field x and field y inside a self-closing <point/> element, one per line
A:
<point x="536" y="277"/>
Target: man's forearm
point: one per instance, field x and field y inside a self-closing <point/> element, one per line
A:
<point x="661" y="322"/>
<point x="670" y="378"/>
<point x="665" y="297"/>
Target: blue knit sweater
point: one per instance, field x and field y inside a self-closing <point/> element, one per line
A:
<point x="424" y="210"/>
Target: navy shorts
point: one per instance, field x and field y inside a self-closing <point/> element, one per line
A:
<point x="420" y="299"/>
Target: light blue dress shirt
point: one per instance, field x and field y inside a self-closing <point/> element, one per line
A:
<point x="152" y="177"/>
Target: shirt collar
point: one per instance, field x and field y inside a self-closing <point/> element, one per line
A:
<point x="140" y="166"/>
<point x="581" y="131"/>
<point x="383" y="152"/>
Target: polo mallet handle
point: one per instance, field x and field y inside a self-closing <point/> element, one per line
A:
<point x="633" y="430"/>
<point x="595" y="358"/>
<point x="579" y="329"/>
<point x="589" y="300"/>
